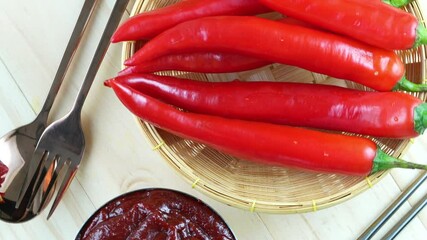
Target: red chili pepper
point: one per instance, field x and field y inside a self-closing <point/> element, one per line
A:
<point x="149" y="24"/>
<point x="198" y="62"/>
<point x="381" y="114"/>
<point x="264" y="142"/>
<point x="204" y="62"/>
<point x="379" y="25"/>
<point x="272" y="41"/>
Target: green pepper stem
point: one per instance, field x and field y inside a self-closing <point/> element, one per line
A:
<point x="397" y="3"/>
<point x="420" y="118"/>
<point x="421" y="35"/>
<point x="406" y="85"/>
<point x="384" y="161"/>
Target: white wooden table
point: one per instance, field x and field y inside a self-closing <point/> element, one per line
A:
<point x="33" y="36"/>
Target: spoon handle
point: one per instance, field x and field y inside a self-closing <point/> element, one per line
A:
<point x="70" y="50"/>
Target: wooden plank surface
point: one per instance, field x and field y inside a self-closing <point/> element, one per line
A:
<point x="119" y="159"/>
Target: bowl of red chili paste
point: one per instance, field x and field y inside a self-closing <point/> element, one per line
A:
<point x="155" y="214"/>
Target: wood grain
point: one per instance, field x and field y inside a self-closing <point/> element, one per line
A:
<point x="120" y="159"/>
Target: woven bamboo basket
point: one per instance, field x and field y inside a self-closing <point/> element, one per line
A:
<point x="262" y="188"/>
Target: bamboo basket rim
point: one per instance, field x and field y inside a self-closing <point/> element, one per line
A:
<point x="253" y="204"/>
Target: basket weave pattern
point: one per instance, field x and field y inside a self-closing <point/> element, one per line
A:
<point x="263" y="188"/>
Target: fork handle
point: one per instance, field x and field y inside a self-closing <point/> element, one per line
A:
<point x="70" y="50"/>
<point x="112" y="24"/>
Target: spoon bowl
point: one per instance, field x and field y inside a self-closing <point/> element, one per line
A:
<point x="17" y="146"/>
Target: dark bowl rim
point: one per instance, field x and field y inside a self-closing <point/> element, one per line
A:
<point x="129" y="193"/>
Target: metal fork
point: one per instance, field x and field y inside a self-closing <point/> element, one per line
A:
<point x="18" y="145"/>
<point x="62" y="144"/>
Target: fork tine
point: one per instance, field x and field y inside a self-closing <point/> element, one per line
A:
<point x="66" y="180"/>
<point x="52" y="181"/>
<point x="40" y="177"/>
<point x="66" y="134"/>
<point x="35" y="166"/>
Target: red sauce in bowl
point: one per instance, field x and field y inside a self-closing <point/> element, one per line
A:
<point x="155" y="214"/>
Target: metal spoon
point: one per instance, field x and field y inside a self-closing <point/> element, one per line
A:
<point x="17" y="146"/>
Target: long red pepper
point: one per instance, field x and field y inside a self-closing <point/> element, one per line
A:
<point x="198" y="62"/>
<point x="382" y="26"/>
<point x="148" y="24"/>
<point x="381" y="114"/>
<point x="263" y="142"/>
<point x="273" y="41"/>
<point x="205" y="62"/>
